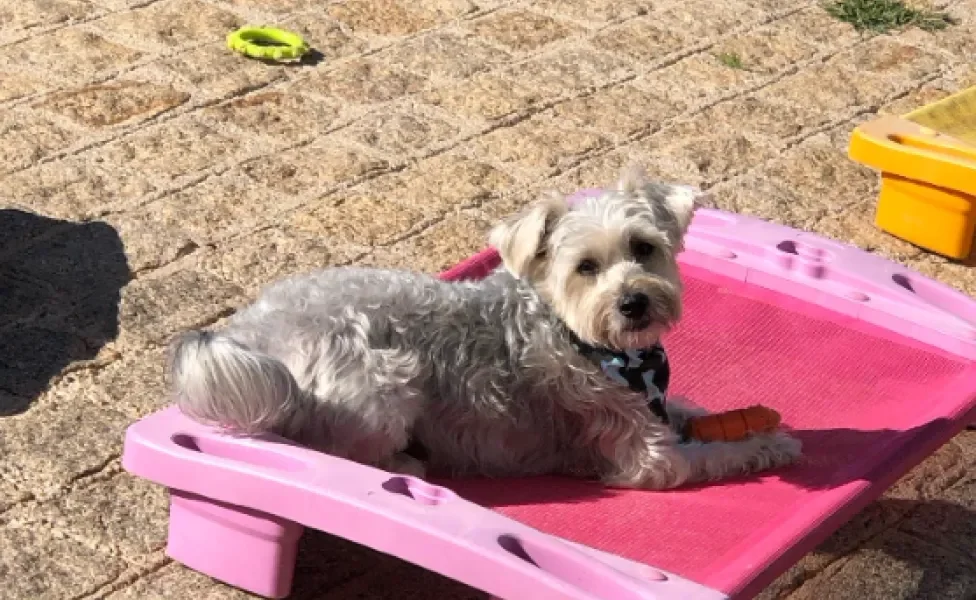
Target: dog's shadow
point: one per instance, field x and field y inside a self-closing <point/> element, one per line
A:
<point x="837" y="456"/>
<point x="60" y="285"/>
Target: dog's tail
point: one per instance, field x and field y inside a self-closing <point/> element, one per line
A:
<point x="218" y="380"/>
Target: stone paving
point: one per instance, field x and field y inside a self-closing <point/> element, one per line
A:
<point x="153" y="181"/>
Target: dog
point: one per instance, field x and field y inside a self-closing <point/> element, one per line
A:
<point x="522" y="373"/>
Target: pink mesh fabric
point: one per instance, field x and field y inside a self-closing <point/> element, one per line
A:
<point x="856" y="395"/>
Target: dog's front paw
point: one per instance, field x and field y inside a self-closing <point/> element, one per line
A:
<point x="773" y="450"/>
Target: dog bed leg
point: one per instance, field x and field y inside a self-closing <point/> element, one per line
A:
<point x="245" y="548"/>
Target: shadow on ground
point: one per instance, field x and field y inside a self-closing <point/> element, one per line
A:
<point x="60" y="284"/>
<point x="928" y="548"/>
<point x="330" y="568"/>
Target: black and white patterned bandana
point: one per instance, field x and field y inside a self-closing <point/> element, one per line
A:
<point x="645" y="370"/>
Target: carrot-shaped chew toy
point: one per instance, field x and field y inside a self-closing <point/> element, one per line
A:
<point x="732" y="425"/>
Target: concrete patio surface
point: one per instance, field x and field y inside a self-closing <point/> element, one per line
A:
<point x="152" y="181"/>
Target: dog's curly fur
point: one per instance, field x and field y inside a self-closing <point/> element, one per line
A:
<point x="485" y="375"/>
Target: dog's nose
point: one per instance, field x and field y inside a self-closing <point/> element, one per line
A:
<point x="634" y="306"/>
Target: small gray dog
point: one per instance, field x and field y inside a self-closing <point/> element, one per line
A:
<point x="499" y="377"/>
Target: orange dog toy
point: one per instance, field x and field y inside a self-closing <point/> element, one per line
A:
<point x="732" y="425"/>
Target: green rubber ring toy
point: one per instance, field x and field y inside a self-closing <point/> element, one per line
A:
<point x="267" y="43"/>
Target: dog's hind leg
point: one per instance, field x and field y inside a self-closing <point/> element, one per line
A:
<point x="370" y="401"/>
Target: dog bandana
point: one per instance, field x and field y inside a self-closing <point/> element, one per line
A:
<point x="645" y="370"/>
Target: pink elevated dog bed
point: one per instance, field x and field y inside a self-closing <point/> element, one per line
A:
<point x="871" y="364"/>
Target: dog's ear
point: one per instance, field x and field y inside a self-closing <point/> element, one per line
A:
<point x="683" y="201"/>
<point x="633" y="180"/>
<point x="521" y="240"/>
<point x="678" y="202"/>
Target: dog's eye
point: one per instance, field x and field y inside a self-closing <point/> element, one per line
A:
<point x="641" y="250"/>
<point x="587" y="267"/>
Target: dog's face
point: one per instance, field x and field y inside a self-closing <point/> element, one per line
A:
<point x="606" y="266"/>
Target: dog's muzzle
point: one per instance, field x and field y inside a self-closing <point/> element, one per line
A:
<point x="640" y="309"/>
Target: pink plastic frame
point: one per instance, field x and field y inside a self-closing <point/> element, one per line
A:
<point x="239" y="505"/>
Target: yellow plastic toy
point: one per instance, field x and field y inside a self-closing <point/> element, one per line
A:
<point x="267" y="43"/>
<point x="927" y="161"/>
